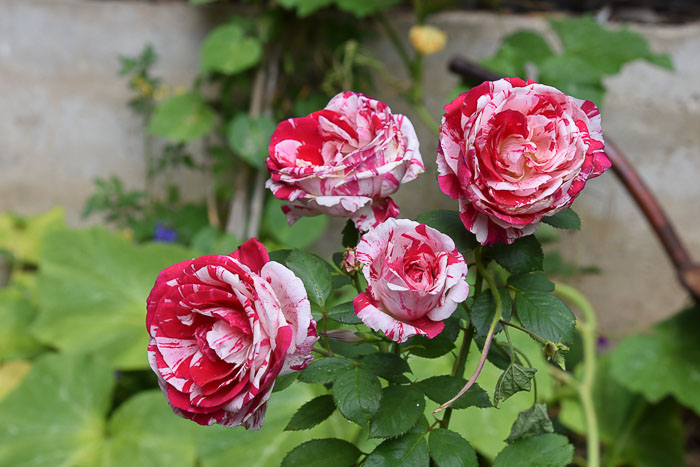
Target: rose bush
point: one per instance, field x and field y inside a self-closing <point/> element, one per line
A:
<point x="415" y="278"/>
<point x="345" y="160"/>
<point x="222" y="329"/>
<point x="513" y="152"/>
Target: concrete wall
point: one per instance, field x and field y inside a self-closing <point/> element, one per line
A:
<point x="64" y="122"/>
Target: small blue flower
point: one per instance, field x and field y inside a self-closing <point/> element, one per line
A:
<point x="164" y="234"/>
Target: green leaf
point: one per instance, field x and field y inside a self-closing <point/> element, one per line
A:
<point x="227" y="50"/>
<point x="574" y="76"/>
<point x="545" y="315"/>
<point x="250" y="137"/>
<point x="325" y="370"/>
<point x="449" y="223"/>
<point x="410" y="450"/>
<point x="222" y="447"/>
<point x="516" y="378"/>
<point x="92" y="289"/>
<point x="313" y="272"/>
<point x="386" y="365"/>
<point x="211" y="241"/>
<point x="523" y="255"/>
<point x="531" y="281"/>
<point x="322" y="453"/>
<point x="351" y="236"/>
<point x="182" y="118"/>
<point x="443" y="388"/>
<point x="400" y="409"/>
<point x="17" y="312"/>
<point x="362" y="8"/>
<point x="63" y="401"/>
<point x="351" y="350"/>
<point x="566" y="219"/>
<point x="11" y="375"/>
<point x="284" y="381"/>
<point x="548" y="450"/>
<point x="305" y="7"/>
<point x="357" y="394"/>
<point x="23" y="235"/>
<point x="302" y="234"/>
<point x="642" y="434"/>
<point x="486" y="430"/>
<point x="344" y="313"/>
<point x="143" y="431"/>
<point x="518" y="49"/>
<point x="312" y="413"/>
<point x="484" y="309"/>
<point x="531" y="422"/>
<point x="449" y="449"/>
<point x="602" y="48"/>
<point x="439" y="345"/>
<point x="665" y="362"/>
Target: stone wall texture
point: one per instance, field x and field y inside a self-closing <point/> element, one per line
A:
<point x="64" y="121"/>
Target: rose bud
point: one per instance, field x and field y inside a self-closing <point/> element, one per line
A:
<point x="513" y="152"/>
<point x="415" y="277"/>
<point x="345" y="160"/>
<point x="350" y="263"/>
<point x="222" y="329"/>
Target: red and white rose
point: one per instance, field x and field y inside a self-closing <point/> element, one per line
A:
<point x="513" y="152"/>
<point x="222" y="329"/>
<point x="345" y="160"/>
<point x="415" y="277"/>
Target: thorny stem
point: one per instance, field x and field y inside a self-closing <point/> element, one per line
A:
<point x="588" y="329"/>
<point x="458" y="369"/>
<point x="489" y="336"/>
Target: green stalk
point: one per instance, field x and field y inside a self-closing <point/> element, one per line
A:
<point x="458" y="369"/>
<point x="529" y="333"/>
<point x="489" y="336"/>
<point x="588" y="329"/>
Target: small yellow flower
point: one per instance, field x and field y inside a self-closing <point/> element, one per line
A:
<point x="142" y="86"/>
<point x="427" y="39"/>
<point x="180" y="90"/>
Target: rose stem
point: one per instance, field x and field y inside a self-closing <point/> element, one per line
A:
<point x="458" y="369"/>
<point x="588" y="328"/>
<point x="489" y="336"/>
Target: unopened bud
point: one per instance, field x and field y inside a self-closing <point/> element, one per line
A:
<point x="350" y="263"/>
<point x="550" y="349"/>
<point x="345" y="335"/>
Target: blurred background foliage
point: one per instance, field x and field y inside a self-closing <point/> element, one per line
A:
<point x="75" y="388"/>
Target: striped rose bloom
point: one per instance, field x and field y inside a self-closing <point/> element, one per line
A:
<point x="345" y="160"/>
<point x="513" y="152"/>
<point x="415" y="278"/>
<point x="222" y="329"/>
